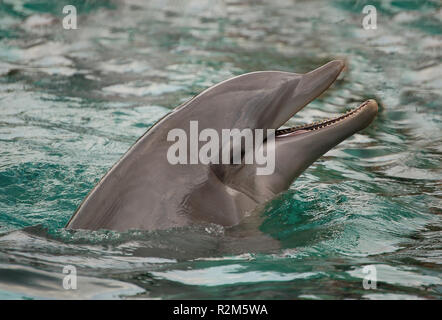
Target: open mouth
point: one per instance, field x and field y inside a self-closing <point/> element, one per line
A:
<point x="320" y="124"/>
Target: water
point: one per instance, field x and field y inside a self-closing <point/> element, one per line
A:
<point x="73" y="101"/>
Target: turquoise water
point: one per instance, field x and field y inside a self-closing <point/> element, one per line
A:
<point x="73" y="101"/>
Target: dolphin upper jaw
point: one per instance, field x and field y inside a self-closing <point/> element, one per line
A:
<point x="300" y="90"/>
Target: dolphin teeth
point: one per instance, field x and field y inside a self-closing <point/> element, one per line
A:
<point x="323" y="123"/>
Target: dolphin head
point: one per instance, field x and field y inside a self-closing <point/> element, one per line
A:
<point x="298" y="147"/>
<point x="145" y="191"/>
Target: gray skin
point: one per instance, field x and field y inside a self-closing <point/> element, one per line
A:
<point x="144" y="191"/>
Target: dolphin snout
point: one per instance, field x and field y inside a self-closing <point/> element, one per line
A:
<point x="315" y="82"/>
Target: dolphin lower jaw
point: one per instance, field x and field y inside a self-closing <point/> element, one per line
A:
<point x="298" y="147"/>
<point x="350" y="115"/>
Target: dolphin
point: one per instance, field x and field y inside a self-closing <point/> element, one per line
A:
<point x="144" y="191"/>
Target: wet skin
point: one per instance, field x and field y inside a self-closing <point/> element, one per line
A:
<point x="144" y="191"/>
